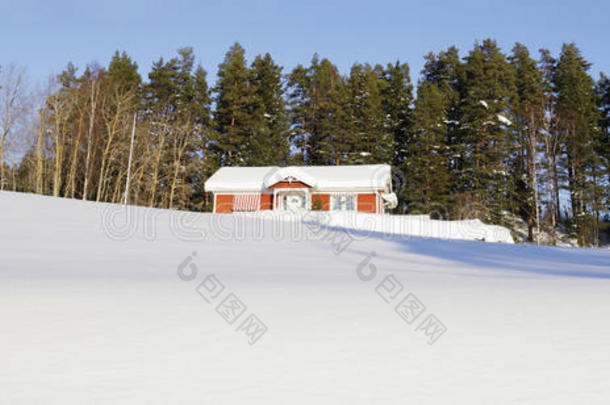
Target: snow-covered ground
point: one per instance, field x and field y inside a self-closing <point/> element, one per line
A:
<point x="412" y="225"/>
<point x="101" y="305"/>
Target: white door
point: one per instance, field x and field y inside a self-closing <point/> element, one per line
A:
<point x="295" y="202"/>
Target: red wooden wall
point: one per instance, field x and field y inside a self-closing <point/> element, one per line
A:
<point x="224" y="203"/>
<point x="365" y="202"/>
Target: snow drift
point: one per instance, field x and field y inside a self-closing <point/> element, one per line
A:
<point x="413" y="225"/>
<point x="101" y="304"/>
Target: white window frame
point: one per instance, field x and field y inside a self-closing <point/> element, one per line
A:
<point x="343" y="202"/>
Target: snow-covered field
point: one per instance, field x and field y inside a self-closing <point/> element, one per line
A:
<point x="204" y="309"/>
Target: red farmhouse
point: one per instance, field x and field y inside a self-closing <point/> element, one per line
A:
<point x="362" y="188"/>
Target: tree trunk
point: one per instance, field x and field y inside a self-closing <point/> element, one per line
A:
<point x="106" y="154"/>
<point x="2" y="163"/>
<point x="174" y="182"/>
<point x="157" y="164"/>
<point x="552" y="180"/>
<point x="59" y="149"/>
<point x="534" y="186"/>
<point x="133" y="135"/>
<point x="11" y="87"/>
<point x="39" y="162"/>
<point x="533" y="174"/>
<point x="92" y="112"/>
<point x="71" y="183"/>
<point x="5" y="129"/>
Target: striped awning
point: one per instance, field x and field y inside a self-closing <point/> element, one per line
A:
<point x="246" y="202"/>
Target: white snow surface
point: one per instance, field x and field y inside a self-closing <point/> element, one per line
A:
<point x="92" y="311"/>
<point x="406" y="225"/>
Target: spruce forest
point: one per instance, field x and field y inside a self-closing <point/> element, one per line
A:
<point x="481" y="134"/>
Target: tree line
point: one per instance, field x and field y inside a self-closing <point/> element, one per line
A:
<point x="486" y="135"/>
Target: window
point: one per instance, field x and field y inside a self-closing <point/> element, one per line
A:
<point x="350" y="203"/>
<point x="246" y="202"/>
<point x="343" y="203"/>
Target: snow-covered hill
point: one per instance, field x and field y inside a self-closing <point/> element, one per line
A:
<point x="103" y="305"/>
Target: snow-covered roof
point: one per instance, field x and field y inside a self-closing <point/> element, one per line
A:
<point x="320" y="178"/>
<point x="291" y="172"/>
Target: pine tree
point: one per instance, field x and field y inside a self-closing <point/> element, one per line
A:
<point x="269" y="140"/>
<point x="233" y="115"/>
<point x="529" y="113"/>
<point x="578" y="120"/>
<point x="552" y="140"/>
<point x="318" y="100"/>
<point x="446" y="72"/>
<point x="489" y="144"/>
<point x="603" y="94"/>
<point x="603" y="149"/>
<point x="178" y="112"/>
<point x="428" y="161"/>
<point x="202" y="161"/>
<point x="366" y="138"/>
<point x="123" y="71"/>
<point x="397" y="100"/>
<point x="300" y="113"/>
<point x="329" y="102"/>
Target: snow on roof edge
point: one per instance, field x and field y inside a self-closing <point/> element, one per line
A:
<point x="340" y="178"/>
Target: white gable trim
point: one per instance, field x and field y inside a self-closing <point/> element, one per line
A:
<point x="290" y="174"/>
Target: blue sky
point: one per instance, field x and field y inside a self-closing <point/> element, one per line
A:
<point x="45" y="35"/>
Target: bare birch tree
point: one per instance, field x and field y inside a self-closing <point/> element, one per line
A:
<point x="61" y="104"/>
<point x="93" y="102"/>
<point x="116" y="113"/>
<point x="13" y="104"/>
